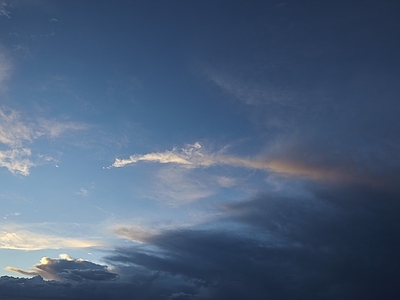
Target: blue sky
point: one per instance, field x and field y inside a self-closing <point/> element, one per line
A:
<point x="199" y="149"/>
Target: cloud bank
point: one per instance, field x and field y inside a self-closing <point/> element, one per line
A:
<point x="327" y="244"/>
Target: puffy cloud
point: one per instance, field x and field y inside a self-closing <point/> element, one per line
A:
<point x="80" y="279"/>
<point x="68" y="268"/>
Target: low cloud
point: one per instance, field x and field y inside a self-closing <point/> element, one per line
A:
<point x="68" y="268"/>
<point x="331" y="244"/>
<point x="324" y="243"/>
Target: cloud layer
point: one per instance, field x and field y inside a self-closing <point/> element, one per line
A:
<point x="327" y="244"/>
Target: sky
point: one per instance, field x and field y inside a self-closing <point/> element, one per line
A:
<point x="189" y="150"/>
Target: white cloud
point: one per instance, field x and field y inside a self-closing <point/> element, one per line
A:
<point x="14" y="214"/>
<point x="3" y="10"/>
<point x="83" y="192"/>
<point x="184" y="157"/>
<point x="194" y="156"/>
<point x="16" y="133"/>
<point x="224" y="181"/>
<point x="20" y="239"/>
<point x="16" y="160"/>
<point x="53" y="128"/>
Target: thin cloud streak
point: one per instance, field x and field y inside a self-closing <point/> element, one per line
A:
<point x="192" y="156"/>
<point x="26" y="240"/>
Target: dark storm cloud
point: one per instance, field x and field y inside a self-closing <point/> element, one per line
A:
<point x="335" y="243"/>
<point x="37" y="288"/>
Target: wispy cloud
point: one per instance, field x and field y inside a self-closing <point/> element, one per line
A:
<point x="16" y="133"/>
<point x="17" y="161"/>
<point x="250" y="91"/>
<point x="134" y="232"/>
<point x="4" y="12"/>
<point x="175" y="185"/>
<point x="194" y="156"/>
<point x="14" y="214"/>
<point x="5" y="69"/>
<point x="20" y="239"/>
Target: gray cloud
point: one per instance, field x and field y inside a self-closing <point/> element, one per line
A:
<point x="67" y="268"/>
<point x="333" y="244"/>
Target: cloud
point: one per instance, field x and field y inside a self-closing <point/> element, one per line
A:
<point x="13" y="131"/>
<point x="135" y="233"/>
<point x="14" y="214"/>
<point x="17" y="132"/>
<point x="186" y="156"/>
<point x="5" y="69"/>
<point x="3" y="10"/>
<point x="249" y="91"/>
<point x="68" y="268"/>
<point x="330" y="244"/>
<point x="53" y="128"/>
<point x="178" y="186"/>
<point x="83" y="192"/>
<point x="80" y="279"/>
<point x="20" y="239"/>
<point x="322" y="242"/>
<point x="194" y="156"/>
<point x="17" y="160"/>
